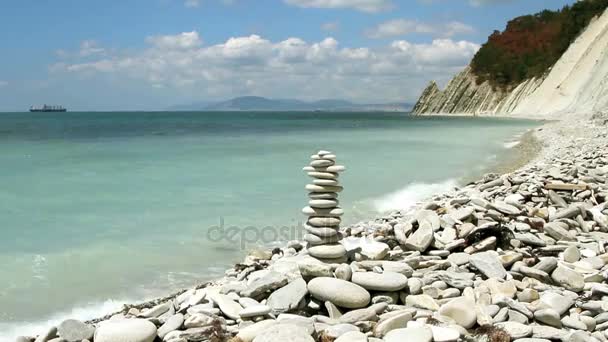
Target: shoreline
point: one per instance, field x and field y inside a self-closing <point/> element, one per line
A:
<point x="535" y="148"/>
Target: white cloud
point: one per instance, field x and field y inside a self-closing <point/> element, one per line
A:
<point x="89" y="48"/>
<point x="289" y="68"/>
<point x="401" y="27"/>
<point x="3" y="83"/>
<point x="184" y="40"/>
<point x="360" y="5"/>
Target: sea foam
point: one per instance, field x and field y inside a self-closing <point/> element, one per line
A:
<point x="408" y="197"/>
<point x="10" y="330"/>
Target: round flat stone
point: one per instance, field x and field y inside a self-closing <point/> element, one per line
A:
<point x="461" y="310"/>
<point x="335" y="168"/>
<point x="315" y="240"/>
<point x="322" y="195"/>
<point x="323" y="188"/>
<point x="327" y="251"/>
<point x="323" y="175"/>
<point x="412" y="334"/>
<point x="254" y="311"/>
<point x="328" y="156"/>
<point x="387" y="281"/>
<point x="323" y="232"/>
<point x="333" y="212"/>
<point x="323" y="203"/>
<point x="325" y="182"/>
<point x="324" y="221"/>
<point x="340" y="292"/>
<point x="322" y="163"/>
<point x="125" y="330"/>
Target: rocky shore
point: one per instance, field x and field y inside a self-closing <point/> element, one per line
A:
<point x="513" y="257"/>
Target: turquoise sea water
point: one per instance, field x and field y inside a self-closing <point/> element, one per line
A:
<point x="101" y="208"/>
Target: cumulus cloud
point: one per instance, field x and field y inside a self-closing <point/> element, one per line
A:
<point x="360" y="5"/>
<point x="184" y="40"/>
<point x="401" y="27"/>
<point x="288" y="68"/>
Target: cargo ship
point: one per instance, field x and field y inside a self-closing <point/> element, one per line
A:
<point x="46" y="108"/>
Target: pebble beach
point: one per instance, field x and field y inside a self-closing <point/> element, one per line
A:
<point x="517" y="255"/>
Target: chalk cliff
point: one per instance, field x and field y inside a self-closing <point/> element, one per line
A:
<point x="577" y="82"/>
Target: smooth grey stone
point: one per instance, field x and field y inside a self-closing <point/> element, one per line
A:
<point x="561" y="304"/>
<point x="558" y="231"/>
<point x="288" y="297"/>
<point x="325" y="182"/>
<point x="572" y="254"/>
<point x="156" y="311"/>
<point x="322" y="163"/>
<point x="569" y="279"/>
<point x="323" y="175"/>
<point x="227" y="305"/>
<point x="254" y="311"/>
<point x="173" y="323"/>
<point x="412" y="334"/>
<point x="421" y="239"/>
<point x="269" y="282"/>
<point x="323" y="221"/>
<point x="339" y="292"/>
<point x="515" y="330"/>
<point x="327" y="251"/>
<point x="198" y="320"/>
<point x="360" y="315"/>
<point x="314" y="240"/>
<point x="488" y="263"/>
<point x="73" y="330"/>
<point x="332" y="212"/>
<point x="323" y="188"/>
<point x="323" y="232"/>
<point x="344" y="272"/>
<point x="125" y="330"/>
<point x="352" y="336"/>
<point x="546" y="264"/>
<point x="461" y="310"/>
<point x="335" y="331"/>
<point x="397" y="321"/>
<point x="323" y="203"/>
<point x="515" y="316"/>
<point x="387" y="281"/>
<point x="549" y="317"/>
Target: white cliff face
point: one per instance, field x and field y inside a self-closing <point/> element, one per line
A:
<point x="577" y="83"/>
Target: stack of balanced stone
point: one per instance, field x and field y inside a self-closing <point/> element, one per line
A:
<point x="323" y="208"/>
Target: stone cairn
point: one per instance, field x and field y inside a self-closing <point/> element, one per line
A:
<point x="323" y="210"/>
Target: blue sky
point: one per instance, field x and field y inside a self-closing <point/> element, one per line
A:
<point x="151" y="54"/>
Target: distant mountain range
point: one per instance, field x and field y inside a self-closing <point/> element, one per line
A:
<point x="257" y="103"/>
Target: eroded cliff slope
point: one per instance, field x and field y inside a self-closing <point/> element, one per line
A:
<point x="577" y="82"/>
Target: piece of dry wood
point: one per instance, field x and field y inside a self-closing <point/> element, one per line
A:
<point x="565" y="186"/>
